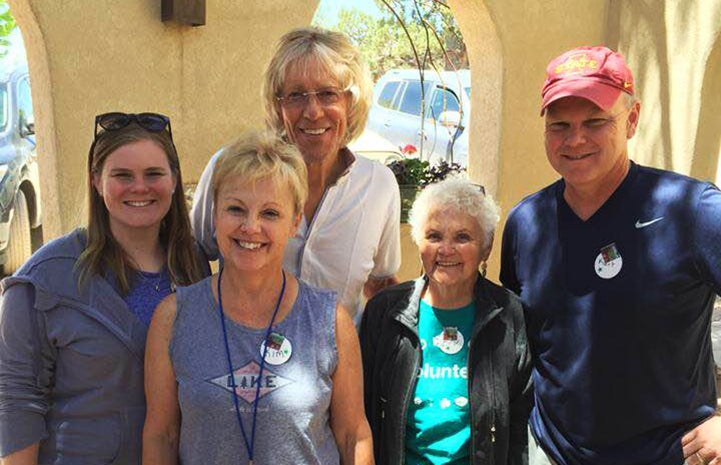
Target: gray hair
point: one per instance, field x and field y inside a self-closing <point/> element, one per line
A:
<point x="628" y="99"/>
<point x="460" y="195"/>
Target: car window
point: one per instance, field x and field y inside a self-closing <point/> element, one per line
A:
<point x="25" y="103"/>
<point x="411" y="102"/>
<point x="3" y="107"/>
<point x="388" y="94"/>
<point x="443" y="100"/>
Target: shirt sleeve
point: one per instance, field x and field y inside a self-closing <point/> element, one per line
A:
<point x="707" y="237"/>
<point x="201" y="215"/>
<point x="508" y="276"/>
<point x="387" y="259"/>
<point x="26" y="366"/>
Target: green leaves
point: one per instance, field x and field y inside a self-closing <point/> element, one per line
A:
<point x="7" y="24"/>
<point x="410" y="171"/>
<point x="414" y="172"/>
<point x="384" y="41"/>
<point x="412" y="175"/>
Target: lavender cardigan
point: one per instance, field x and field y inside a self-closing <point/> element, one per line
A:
<point x="71" y="363"/>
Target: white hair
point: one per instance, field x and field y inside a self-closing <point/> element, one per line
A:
<point x="460" y="195"/>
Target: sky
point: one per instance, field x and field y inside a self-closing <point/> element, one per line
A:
<point x="16" y="51"/>
<point x="328" y="10"/>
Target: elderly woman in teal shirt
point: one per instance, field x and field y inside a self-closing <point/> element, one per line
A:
<point x="446" y="364"/>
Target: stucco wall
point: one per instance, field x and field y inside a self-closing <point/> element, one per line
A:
<point x="87" y="58"/>
<point x="674" y="49"/>
<point x="90" y="57"/>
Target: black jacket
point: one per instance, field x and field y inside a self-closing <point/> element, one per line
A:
<point x="499" y="372"/>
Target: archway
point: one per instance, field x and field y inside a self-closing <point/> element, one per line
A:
<point x="44" y="117"/>
<point x="486" y="63"/>
<point x="706" y="163"/>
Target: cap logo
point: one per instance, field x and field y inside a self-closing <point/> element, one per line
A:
<point x="596" y="74"/>
<point x="576" y="64"/>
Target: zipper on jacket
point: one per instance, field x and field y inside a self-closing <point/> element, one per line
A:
<point x="470" y="397"/>
<point x="493" y="413"/>
<point x="492" y="430"/>
<point x="406" y="401"/>
<point x="378" y="445"/>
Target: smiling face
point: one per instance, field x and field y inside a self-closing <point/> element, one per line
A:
<point x="253" y="223"/>
<point x="317" y="130"/>
<point x="586" y="145"/>
<point x="136" y="185"/>
<point x="452" y="247"/>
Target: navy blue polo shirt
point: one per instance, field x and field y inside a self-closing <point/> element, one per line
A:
<point x="618" y="311"/>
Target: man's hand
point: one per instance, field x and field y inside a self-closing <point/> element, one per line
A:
<point x="702" y="445"/>
<point x="374" y="285"/>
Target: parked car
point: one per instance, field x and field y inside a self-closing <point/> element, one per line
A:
<point x="432" y="117"/>
<point x="372" y="145"/>
<point x="20" y="213"/>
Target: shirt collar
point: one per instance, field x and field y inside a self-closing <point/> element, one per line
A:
<point x="348" y="160"/>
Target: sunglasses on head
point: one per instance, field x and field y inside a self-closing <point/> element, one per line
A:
<point x="153" y="122"/>
<point x="480" y="188"/>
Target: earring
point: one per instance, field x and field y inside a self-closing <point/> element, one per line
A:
<point x="484" y="266"/>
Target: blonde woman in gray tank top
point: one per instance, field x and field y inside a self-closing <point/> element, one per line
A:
<point x="252" y="365"/>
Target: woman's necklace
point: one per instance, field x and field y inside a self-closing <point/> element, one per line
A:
<point x="249" y="443"/>
<point x="158" y="281"/>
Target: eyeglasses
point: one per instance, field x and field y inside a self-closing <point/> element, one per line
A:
<point x="326" y="97"/>
<point x="153" y="122"/>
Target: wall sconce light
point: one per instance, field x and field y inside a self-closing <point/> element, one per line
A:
<point x="187" y="12"/>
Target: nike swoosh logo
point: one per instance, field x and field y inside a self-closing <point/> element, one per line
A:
<point x="640" y="225"/>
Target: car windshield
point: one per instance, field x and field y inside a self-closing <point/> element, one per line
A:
<point x="3" y="106"/>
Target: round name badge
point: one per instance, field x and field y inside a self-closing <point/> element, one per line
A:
<point x="279" y="349"/>
<point x="608" y="262"/>
<point x="450" y="341"/>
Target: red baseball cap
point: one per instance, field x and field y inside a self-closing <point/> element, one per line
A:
<point x="597" y="74"/>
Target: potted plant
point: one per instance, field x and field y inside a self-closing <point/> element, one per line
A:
<point x="413" y="174"/>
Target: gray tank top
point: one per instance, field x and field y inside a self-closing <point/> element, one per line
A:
<point x="292" y="425"/>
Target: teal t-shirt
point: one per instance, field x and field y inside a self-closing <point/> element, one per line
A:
<point x="438" y="427"/>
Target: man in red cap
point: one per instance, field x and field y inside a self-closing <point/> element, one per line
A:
<point x="618" y="265"/>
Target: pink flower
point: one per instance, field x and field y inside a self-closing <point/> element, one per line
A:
<point x="409" y="149"/>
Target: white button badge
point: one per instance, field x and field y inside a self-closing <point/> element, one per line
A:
<point x="279" y="349"/>
<point x="609" y="262"/>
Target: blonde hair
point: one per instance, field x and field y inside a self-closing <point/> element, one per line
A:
<point x="102" y="252"/>
<point x="258" y="155"/>
<point x="301" y="48"/>
<point x="462" y="196"/>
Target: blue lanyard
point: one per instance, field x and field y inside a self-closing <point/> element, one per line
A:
<point x="249" y="444"/>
